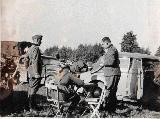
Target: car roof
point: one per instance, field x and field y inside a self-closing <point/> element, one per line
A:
<point x="138" y="55"/>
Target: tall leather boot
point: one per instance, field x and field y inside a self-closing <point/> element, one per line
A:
<point x="27" y="105"/>
<point x="30" y="102"/>
<point x="32" y="105"/>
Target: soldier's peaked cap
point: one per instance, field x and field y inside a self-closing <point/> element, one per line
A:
<point x="106" y="39"/>
<point x="37" y="37"/>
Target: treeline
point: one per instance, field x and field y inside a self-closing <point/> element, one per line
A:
<point x="90" y="53"/>
<point x="87" y="53"/>
<point x="158" y="52"/>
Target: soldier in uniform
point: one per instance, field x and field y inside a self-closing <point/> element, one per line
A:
<point x="34" y="69"/>
<point x="66" y="83"/>
<point x="110" y="65"/>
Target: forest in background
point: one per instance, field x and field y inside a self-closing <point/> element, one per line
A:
<point x="91" y="53"/>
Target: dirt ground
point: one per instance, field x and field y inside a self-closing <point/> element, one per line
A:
<point x="15" y="106"/>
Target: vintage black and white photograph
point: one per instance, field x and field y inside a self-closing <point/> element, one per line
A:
<point x="80" y="58"/>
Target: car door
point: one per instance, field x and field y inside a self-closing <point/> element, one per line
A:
<point x="123" y="88"/>
<point x="135" y="79"/>
<point x="140" y="79"/>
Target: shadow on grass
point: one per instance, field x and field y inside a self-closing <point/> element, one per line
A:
<point x="17" y="102"/>
<point x="135" y="109"/>
<point x="152" y="106"/>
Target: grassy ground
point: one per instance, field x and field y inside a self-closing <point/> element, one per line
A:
<point x="14" y="106"/>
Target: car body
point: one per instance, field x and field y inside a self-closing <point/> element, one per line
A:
<point x="144" y="87"/>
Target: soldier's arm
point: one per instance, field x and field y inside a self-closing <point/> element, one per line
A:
<point x="97" y="66"/>
<point x="26" y="55"/>
<point x="36" y="56"/>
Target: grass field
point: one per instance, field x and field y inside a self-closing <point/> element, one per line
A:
<point x="15" y="106"/>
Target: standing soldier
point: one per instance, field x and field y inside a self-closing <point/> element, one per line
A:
<point x="110" y="65"/>
<point x="34" y="69"/>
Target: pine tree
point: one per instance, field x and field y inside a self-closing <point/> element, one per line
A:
<point x="158" y="52"/>
<point x="129" y="43"/>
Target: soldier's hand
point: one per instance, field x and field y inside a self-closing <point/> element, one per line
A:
<point x="101" y="65"/>
<point x="92" y="72"/>
<point x="37" y="76"/>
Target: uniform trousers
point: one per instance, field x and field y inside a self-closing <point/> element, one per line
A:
<point x="34" y="84"/>
<point x="111" y="89"/>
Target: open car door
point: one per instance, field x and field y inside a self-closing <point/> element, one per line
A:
<point x="131" y="81"/>
<point x="123" y="83"/>
<point x="140" y="79"/>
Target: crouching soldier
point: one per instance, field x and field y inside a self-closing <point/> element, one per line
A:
<point x="66" y="82"/>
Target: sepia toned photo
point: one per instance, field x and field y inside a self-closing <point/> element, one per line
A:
<point x="80" y="58"/>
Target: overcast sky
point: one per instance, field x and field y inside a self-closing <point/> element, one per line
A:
<point x="71" y="22"/>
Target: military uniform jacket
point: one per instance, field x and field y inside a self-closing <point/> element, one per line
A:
<point x="35" y="61"/>
<point x="68" y="80"/>
<point x="111" y="62"/>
